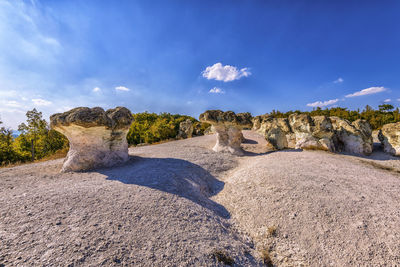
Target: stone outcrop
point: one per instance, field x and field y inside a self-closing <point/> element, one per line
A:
<point x="355" y="137"/>
<point x="228" y="127"/>
<point x="97" y="138"/>
<point x="389" y="136"/>
<point x="186" y="129"/>
<point x="301" y="131"/>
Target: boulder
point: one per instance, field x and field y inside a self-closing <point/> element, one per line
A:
<point x="312" y="132"/>
<point x="355" y="137"/>
<point x="389" y="136"/>
<point x="302" y="131"/>
<point x="186" y="129"/>
<point x="228" y="128"/>
<point x="97" y="138"/>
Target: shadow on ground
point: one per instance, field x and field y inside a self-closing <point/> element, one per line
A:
<point x="377" y="154"/>
<point x="174" y="176"/>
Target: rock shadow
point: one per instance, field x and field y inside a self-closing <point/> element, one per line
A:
<point x="377" y="154"/>
<point x="171" y="175"/>
<point x="249" y="141"/>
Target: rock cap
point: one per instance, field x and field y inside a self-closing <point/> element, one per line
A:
<point x="117" y="118"/>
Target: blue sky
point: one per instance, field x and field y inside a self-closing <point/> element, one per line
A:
<point x="189" y="56"/>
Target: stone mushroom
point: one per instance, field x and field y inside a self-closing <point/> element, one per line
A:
<point x="228" y="127"/>
<point x="97" y="138"/>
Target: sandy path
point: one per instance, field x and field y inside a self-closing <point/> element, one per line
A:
<point x="175" y="203"/>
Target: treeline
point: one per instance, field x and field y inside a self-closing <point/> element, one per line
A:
<point x="377" y="118"/>
<point x="35" y="141"/>
<point x="151" y="127"/>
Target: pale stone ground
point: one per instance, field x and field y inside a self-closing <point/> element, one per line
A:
<point x="173" y="204"/>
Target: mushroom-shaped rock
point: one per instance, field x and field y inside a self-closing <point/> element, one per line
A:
<point x="389" y="136"/>
<point x="186" y="129"/>
<point x="97" y="138"/>
<point x="228" y="127"/>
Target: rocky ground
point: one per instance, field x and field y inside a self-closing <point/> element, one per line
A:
<point x="181" y="204"/>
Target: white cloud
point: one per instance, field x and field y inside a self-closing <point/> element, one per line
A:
<point x="216" y="90"/>
<point x="387" y="100"/>
<point x="13" y="103"/>
<point x="368" y="91"/>
<point x="122" y="88"/>
<point x="323" y="104"/>
<point x="96" y="89"/>
<point x="41" y="102"/>
<point x="338" y="80"/>
<point x="225" y="73"/>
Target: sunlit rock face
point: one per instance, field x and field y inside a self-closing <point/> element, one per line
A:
<point x="186" y="129"/>
<point x="355" y="137"/>
<point x="301" y="131"/>
<point x="97" y="138"/>
<point x="228" y="128"/>
<point x="389" y="136"/>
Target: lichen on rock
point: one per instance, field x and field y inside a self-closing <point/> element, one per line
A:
<point x="97" y="138"/>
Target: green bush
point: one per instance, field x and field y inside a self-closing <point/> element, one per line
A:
<point x="151" y="127"/>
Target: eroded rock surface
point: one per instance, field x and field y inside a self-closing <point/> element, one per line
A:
<point x="186" y="129"/>
<point x="301" y="131"/>
<point x="228" y="127"/>
<point x="389" y="136"/>
<point x="97" y="138"/>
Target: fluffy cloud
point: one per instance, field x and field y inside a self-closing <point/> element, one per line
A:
<point x="338" y="80"/>
<point x="387" y="100"/>
<point x="225" y="73"/>
<point x="216" y="90"/>
<point x="122" y="88"/>
<point x="323" y="104"/>
<point x="368" y="91"/>
<point x="96" y="89"/>
<point x="41" y="102"/>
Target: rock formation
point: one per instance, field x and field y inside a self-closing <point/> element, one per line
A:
<point x="228" y="127"/>
<point x="185" y="129"/>
<point x="97" y="138"/>
<point x="389" y="136"/>
<point x="302" y="131"/>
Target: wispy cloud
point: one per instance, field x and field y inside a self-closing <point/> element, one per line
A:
<point x="41" y="102"/>
<point x="216" y="90"/>
<point x="96" y="89"/>
<point x="13" y="103"/>
<point x="338" y="80"/>
<point x="387" y="100"/>
<point x="122" y="88"/>
<point x="323" y="104"/>
<point x="225" y="73"/>
<point x="368" y="91"/>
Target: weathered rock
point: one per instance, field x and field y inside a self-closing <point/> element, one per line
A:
<point x="186" y="129"/>
<point x="97" y="138"/>
<point x="302" y="131"/>
<point x="355" y="138"/>
<point x="312" y="132"/>
<point x="228" y="127"/>
<point x="389" y="136"/>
